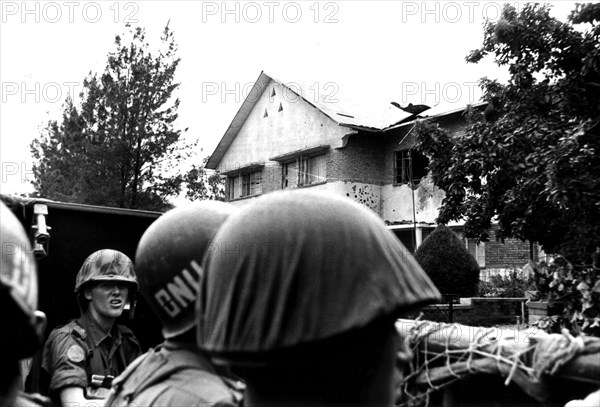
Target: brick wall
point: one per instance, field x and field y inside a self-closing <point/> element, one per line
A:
<point x="513" y="253"/>
<point x="362" y="160"/>
<point x="480" y="312"/>
<point x="510" y="254"/>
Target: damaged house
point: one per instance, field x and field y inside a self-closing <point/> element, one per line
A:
<point x="282" y="139"/>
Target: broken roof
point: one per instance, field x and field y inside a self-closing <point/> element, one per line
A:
<point x="371" y="116"/>
<point x="368" y="117"/>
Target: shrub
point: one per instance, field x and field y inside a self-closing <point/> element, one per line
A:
<point x="448" y="263"/>
<point x="573" y="288"/>
<point x="513" y="284"/>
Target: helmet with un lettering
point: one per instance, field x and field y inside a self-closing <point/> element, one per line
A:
<point x="107" y="265"/>
<point x="169" y="257"/>
<point x="18" y="290"/>
<point x="296" y="268"/>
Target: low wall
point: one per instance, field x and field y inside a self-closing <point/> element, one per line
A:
<point x="480" y="311"/>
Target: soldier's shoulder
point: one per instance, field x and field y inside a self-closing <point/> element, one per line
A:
<point x="187" y="394"/>
<point x="140" y="367"/>
<point x="162" y="377"/>
<point x="203" y="385"/>
<point x="70" y="328"/>
<point x="136" y="377"/>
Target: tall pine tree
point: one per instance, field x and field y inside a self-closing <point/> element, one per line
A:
<point x="119" y="146"/>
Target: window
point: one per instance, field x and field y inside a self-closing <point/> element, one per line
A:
<point x="252" y="183"/>
<point x="477" y="250"/>
<point x="290" y="174"/>
<point x="312" y="169"/>
<point x="304" y="170"/>
<point x="247" y="184"/>
<point x="409" y="166"/>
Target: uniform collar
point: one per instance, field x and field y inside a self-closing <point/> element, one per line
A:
<point x="97" y="335"/>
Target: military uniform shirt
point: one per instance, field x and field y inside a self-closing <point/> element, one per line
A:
<point x="174" y="374"/>
<point x="78" y="350"/>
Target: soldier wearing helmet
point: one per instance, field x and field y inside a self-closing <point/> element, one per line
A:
<point x="21" y="323"/>
<point x="168" y="261"/>
<point x="83" y="356"/>
<point x="300" y="296"/>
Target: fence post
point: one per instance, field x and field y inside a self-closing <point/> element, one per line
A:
<point x="449" y="300"/>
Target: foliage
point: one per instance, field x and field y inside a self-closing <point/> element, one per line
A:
<point x="448" y="263"/>
<point x="576" y="289"/>
<point x="117" y="147"/>
<point x="531" y="160"/>
<point x="513" y="284"/>
<point x="202" y="184"/>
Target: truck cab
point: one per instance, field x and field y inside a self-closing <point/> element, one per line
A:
<point x="62" y="236"/>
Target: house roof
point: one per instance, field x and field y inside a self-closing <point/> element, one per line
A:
<point x="373" y="117"/>
<point x="448" y="109"/>
<point x="435" y="113"/>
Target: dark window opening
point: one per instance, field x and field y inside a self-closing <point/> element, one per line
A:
<point x="409" y="166"/>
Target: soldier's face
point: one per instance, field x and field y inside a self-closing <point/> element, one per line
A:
<point x="108" y="298"/>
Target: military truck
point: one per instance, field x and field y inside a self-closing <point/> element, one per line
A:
<point x="62" y="236"/>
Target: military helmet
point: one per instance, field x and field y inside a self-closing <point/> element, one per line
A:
<point x="168" y="261"/>
<point x="18" y="289"/>
<point x="298" y="267"/>
<point x="106" y="265"/>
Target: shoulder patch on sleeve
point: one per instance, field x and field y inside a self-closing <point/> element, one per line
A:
<point x="75" y="354"/>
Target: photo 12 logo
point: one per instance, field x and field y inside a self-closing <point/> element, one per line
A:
<point x="452" y="11"/>
<point x="22" y="171"/>
<point x="269" y="11"/>
<point x="290" y="92"/>
<point x="68" y="11"/>
<point x="49" y="92"/>
<point x="437" y="92"/>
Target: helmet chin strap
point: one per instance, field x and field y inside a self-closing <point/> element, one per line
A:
<point x="129" y="308"/>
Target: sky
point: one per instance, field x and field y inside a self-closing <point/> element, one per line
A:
<point x="361" y="52"/>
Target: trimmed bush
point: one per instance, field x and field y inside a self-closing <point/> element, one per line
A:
<point x="514" y="284"/>
<point x="448" y="263"/>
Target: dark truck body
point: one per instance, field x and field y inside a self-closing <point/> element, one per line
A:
<point x="76" y="231"/>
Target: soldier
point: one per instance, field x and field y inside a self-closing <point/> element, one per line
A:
<point x="168" y="261"/>
<point x="301" y="292"/>
<point x="83" y="356"/>
<point x="20" y="322"/>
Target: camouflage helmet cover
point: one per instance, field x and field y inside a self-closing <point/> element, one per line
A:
<point x="106" y="265"/>
<point x="168" y="261"/>
<point x="18" y="288"/>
